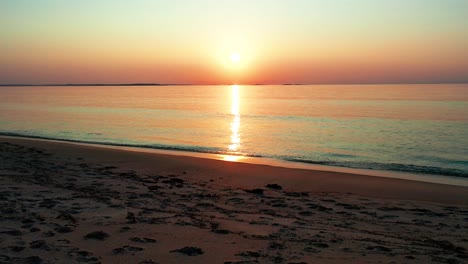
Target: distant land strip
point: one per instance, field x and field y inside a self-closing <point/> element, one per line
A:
<point x="188" y="84"/>
<point x="95" y="84"/>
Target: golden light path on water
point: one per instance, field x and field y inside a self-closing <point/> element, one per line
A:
<point x="235" y="124"/>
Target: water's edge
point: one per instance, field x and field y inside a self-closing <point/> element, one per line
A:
<point x="425" y="176"/>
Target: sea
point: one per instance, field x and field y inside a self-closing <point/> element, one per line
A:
<point x="414" y="128"/>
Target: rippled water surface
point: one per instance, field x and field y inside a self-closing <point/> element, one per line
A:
<point x="413" y="128"/>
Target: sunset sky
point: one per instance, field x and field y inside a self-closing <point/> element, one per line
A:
<point x="244" y="42"/>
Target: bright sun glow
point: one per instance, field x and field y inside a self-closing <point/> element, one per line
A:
<point x="235" y="57"/>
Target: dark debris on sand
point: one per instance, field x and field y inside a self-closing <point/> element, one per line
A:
<point x="274" y="186"/>
<point x="98" y="235"/>
<point x="189" y="251"/>
<point x="255" y="191"/>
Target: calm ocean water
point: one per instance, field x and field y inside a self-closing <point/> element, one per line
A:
<point x="411" y="128"/>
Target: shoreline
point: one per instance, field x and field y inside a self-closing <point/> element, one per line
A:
<point x="249" y="175"/>
<point x="73" y="203"/>
<point x="421" y="177"/>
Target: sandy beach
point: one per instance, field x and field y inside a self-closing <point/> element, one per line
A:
<point x="70" y="203"/>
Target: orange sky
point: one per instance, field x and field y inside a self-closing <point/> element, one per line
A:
<point x="367" y="41"/>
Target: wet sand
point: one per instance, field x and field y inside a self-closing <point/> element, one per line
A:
<point x="69" y="203"/>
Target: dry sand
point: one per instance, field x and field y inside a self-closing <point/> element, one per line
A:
<point x="69" y="203"/>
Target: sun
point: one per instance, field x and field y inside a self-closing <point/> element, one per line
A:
<point x="235" y="57"/>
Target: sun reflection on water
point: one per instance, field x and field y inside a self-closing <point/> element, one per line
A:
<point x="235" y="123"/>
<point x="231" y="158"/>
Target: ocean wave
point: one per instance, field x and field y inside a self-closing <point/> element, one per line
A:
<point x="389" y="167"/>
<point x="198" y="149"/>
<point x="432" y="170"/>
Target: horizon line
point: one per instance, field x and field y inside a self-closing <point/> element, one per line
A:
<point x="194" y="84"/>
